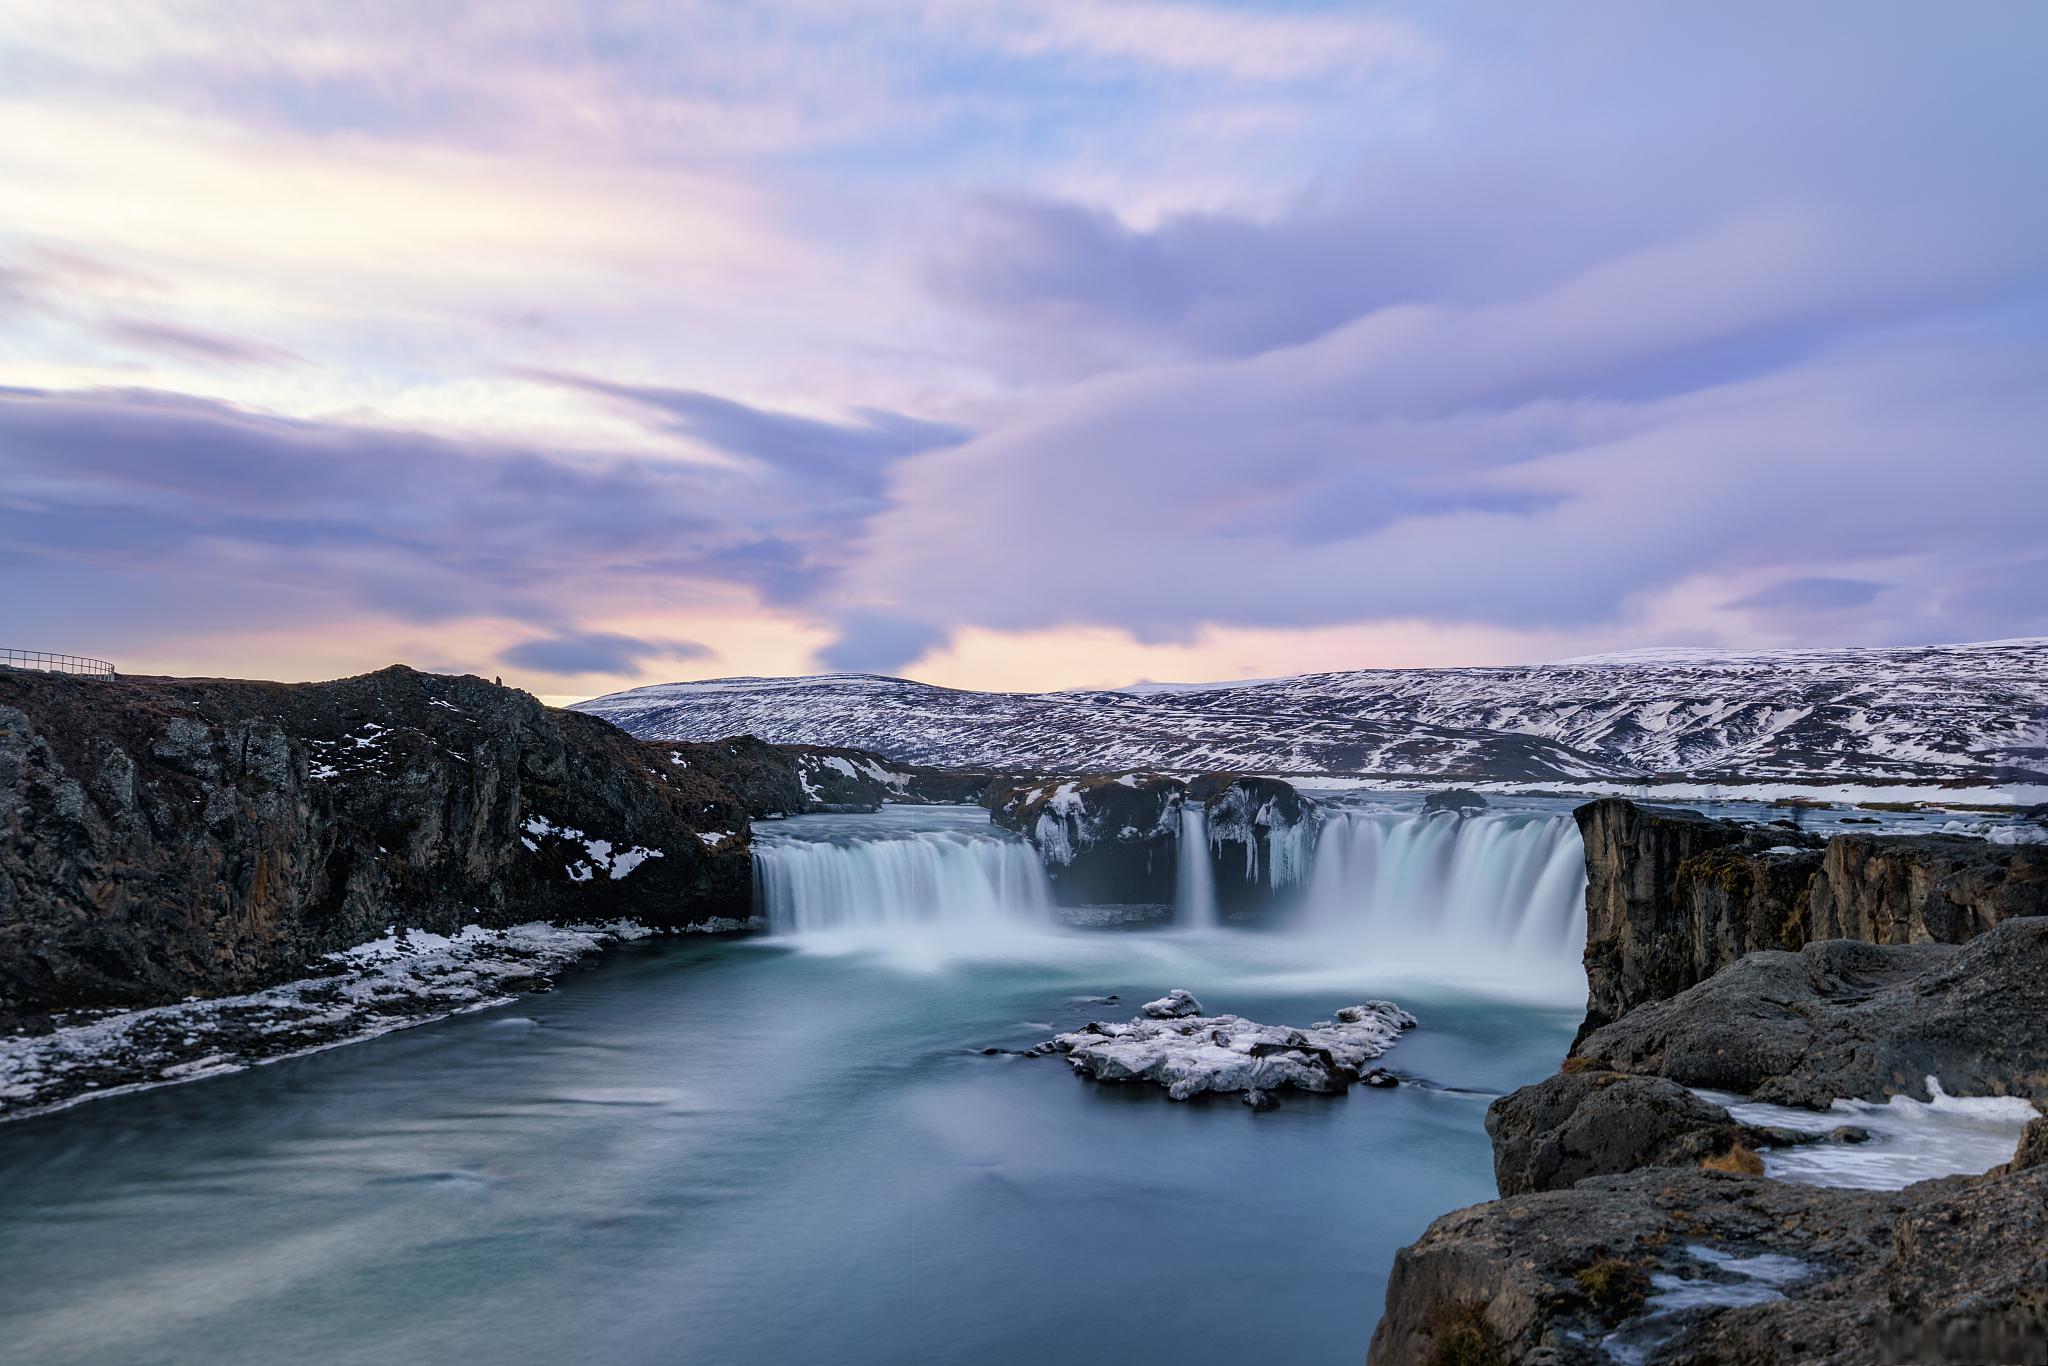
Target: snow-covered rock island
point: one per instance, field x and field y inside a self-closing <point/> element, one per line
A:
<point x="1172" y="1044"/>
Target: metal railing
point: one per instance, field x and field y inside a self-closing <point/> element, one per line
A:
<point x="56" y="664"/>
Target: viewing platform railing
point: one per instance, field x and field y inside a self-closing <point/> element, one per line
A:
<point x="45" y="662"/>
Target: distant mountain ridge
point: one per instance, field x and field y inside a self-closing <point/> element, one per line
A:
<point x="1971" y="714"/>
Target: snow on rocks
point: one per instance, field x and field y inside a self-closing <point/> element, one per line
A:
<point x="1889" y="1146"/>
<point x="599" y="856"/>
<point x="400" y="979"/>
<point x="726" y="924"/>
<point x="1189" y="1053"/>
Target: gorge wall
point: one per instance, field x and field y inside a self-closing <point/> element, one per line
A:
<point x="1673" y="897"/>
<point x="168" y="837"/>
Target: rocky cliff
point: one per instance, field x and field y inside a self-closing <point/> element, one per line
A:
<point x="1261" y="834"/>
<point x="161" y="838"/>
<point x="794" y="780"/>
<point x="1116" y="838"/>
<point x="1103" y="839"/>
<point x="1664" y="1266"/>
<point x="1672" y="896"/>
<point x="1639" y="1222"/>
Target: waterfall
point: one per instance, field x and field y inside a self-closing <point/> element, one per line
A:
<point x="923" y="878"/>
<point x="1438" y="887"/>
<point x="1194" y="887"/>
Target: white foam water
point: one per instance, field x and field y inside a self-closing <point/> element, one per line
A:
<point x="1732" y="1283"/>
<point x="1494" y="900"/>
<point x="944" y="877"/>
<point x="1911" y="1140"/>
<point x="1439" y="888"/>
<point x="1194" y="893"/>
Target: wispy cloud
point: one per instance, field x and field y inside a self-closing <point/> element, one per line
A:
<point x="830" y="454"/>
<point x="191" y="343"/>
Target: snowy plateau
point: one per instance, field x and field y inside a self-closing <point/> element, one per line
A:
<point x="1973" y="715"/>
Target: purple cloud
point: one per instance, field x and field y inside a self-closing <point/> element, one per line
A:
<point x="281" y="518"/>
<point x="853" y="455"/>
<point x="1811" y="595"/>
<point x="596" y="652"/>
<point x="872" y="641"/>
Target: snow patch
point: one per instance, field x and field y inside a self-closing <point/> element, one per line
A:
<point x="399" y="979"/>
<point x="599" y="855"/>
<point x="1911" y="1140"/>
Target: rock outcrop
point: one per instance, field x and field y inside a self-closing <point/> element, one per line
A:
<point x="1636" y="1224"/>
<point x="1261" y="834"/>
<point x="1558" y="1132"/>
<point x="795" y="780"/>
<point x="1673" y="897"/>
<point x="1840" y="1019"/>
<point x="1458" y="801"/>
<point x="1667" y="1266"/>
<point x="161" y="838"/>
<point x="1115" y="838"/>
<point x="1103" y="839"/>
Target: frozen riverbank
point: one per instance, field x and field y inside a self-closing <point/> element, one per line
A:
<point x="398" y="980"/>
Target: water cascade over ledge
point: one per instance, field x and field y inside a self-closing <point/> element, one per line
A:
<point x="1435" y="887"/>
<point x="1194" y="879"/>
<point x="928" y="878"/>
<point x="1496" y="897"/>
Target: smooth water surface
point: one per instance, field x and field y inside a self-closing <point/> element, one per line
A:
<point x="730" y="1152"/>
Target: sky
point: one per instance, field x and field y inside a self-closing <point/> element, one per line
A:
<point x="1015" y="345"/>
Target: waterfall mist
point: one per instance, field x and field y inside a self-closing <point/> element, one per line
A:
<point x="1495" y="900"/>
<point x="1439" y="890"/>
<point x="929" y="878"/>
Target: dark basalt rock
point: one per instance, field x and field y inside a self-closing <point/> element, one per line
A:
<point x="1844" y="1019"/>
<point x="1577" y="1124"/>
<point x="1103" y="839"/>
<point x="793" y="780"/>
<point x="168" y="837"/>
<point x="1252" y="821"/>
<point x="2033" y="1149"/>
<point x="1458" y="801"/>
<point x="764" y="777"/>
<point x="1673" y="897"/>
<point x="951" y="786"/>
<point x="1946" y="1270"/>
<point x="1115" y="838"/>
<point x="785" y="780"/>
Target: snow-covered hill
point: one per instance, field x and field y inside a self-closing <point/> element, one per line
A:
<point x="1955" y="713"/>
